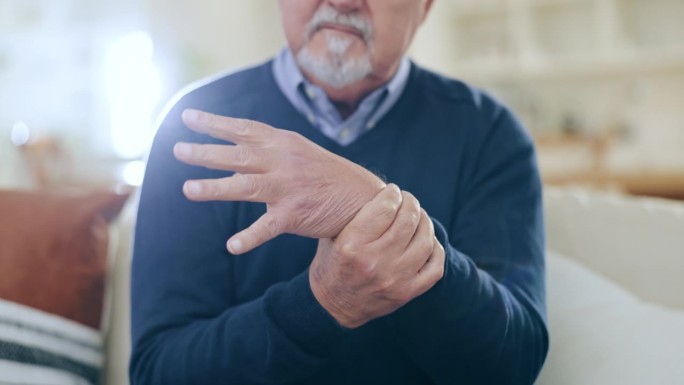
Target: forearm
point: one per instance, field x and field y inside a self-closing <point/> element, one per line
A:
<point x="473" y="329"/>
<point x="283" y="336"/>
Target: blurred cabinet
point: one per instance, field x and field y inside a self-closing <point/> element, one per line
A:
<point x="531" y="40"/>
<point x="599" y="83"/>
<point x="582" y="160"/>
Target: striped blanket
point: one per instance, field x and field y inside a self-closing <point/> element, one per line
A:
<point x="38" y="348"/>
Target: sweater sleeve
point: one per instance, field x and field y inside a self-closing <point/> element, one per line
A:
<point x="187" y="327"/>
<point x="484" y="321"/>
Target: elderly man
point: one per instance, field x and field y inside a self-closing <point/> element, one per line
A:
<point x="388" y="219"/>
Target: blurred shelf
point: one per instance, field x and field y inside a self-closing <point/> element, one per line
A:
<point x="474" y="8"/>
<point x="568" y="69"/>
<point x="552" y="3"/>
<point x="550" y="40"/>
<point x="479" y="8"/>
<point x="664" y="184"/>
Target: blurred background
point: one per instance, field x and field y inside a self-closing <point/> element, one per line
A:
<point x="599" y="83"/>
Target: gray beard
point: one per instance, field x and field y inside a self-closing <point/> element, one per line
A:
<point x="332" y="68"/>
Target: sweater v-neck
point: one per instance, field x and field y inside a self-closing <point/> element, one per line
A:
<point x="301" y="125"/>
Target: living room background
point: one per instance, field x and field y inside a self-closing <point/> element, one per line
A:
<point x="599" y="83"/>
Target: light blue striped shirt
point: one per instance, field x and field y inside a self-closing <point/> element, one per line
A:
<point x="313" y="103"/>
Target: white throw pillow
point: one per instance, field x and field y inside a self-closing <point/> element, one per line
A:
<point x="602" y="334"/>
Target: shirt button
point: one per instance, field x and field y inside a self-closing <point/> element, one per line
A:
<point x="311" y="118"/>
<point x="370" y="125"/>
<point x="344" y="134"/>
<point x="310" y="93"/>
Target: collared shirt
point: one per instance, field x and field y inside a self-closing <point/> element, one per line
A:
<point x="312" y="102"/>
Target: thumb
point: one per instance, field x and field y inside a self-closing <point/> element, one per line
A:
<point x="375" y="217"/>
<point x="267" y="227"/>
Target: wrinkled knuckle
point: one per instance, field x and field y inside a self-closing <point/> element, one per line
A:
<point x="272" y="226"/>
<point x="289" y="136"/>
<point x="437" y="274"/>
<point x="385" y="285"/>
<point x="406" y="195"/>
<point x="438" y="249"/>
<point x="415" y="216"/>
<point x="395" y="196"/>
<point x="407" y="226"/>
<point x="401" y="297"/>
<point x="410" y="200"/>
<point x="416" y="212"/>
<point x="243" y="127"/>
<point x="294" y="142"/>
<point x="204" y="155"/>
<point x="213" y="190"/>
<point x="211" y="121"/>
<point x="252" y="187"/>
<point x="242" y="156"/>
<point x="426" y="246"/>
<point x="365" y="271"/>
<point x="388" y="208"/>
<point x="346" y="248"/>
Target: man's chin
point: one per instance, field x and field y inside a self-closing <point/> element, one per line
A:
<point x="334" y="70"/>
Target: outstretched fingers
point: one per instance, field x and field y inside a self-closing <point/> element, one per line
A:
<point x="238" y="131"/>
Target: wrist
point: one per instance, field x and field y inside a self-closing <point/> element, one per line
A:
<point x="369" y="187"/>
<point x="328" y="302"/>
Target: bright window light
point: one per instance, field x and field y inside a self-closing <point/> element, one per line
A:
<point x="133" y="173"/>
<point x="133" y="88"/>
<point x="20" y="134"/>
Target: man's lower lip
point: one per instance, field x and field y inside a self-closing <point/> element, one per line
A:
<point x="345" y="30"/>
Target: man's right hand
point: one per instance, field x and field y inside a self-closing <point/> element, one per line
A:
<point x="307" y="189"/>
<point x="386" y="256"/>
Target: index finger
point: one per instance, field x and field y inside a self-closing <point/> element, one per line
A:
<point x="238" y="131"/>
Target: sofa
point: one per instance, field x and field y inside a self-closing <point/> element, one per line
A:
<point x="614" y="284"/>
<point x="615" y="289"/>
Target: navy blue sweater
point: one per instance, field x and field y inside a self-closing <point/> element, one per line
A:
<point x="204" y="316"/>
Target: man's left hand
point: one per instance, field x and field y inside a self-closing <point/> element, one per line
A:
<point x="385" y="257"/>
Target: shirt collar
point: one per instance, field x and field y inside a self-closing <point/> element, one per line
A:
<point x="291" y="80"/>
<point x="312" y="102"/>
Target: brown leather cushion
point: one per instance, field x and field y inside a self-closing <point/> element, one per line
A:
<point x="53" y="251"/>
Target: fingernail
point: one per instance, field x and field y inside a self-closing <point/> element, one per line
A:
<point x="235" y="246"/>
<point x="193" y="188"/>
<point x="183" y="150"/>
<point x="191" y="115"/>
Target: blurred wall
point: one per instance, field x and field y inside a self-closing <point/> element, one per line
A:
<point x="194" y="39"/>
<point x="588" y="67"/>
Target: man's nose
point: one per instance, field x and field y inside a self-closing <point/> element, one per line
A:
<point x="346" y="5"/>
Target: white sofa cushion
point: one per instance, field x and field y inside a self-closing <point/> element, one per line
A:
<point x="635" y="241"/>
<point x="603" y="334"/>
